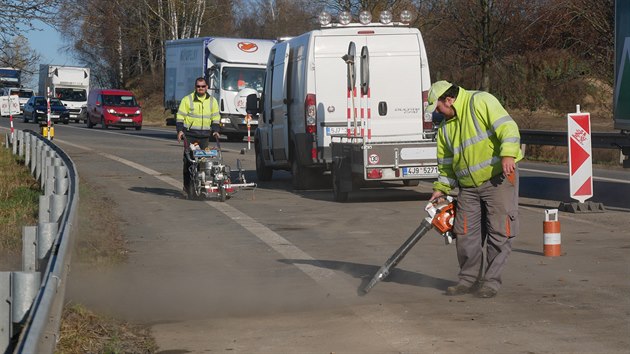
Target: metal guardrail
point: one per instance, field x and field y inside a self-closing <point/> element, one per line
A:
<point x="599" y="140"/>
<point x="31" y="300"/>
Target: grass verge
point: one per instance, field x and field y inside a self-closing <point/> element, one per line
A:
<point x="100" y="242"/>
<point x="83" y="331"/>
<point x="19" y="199"/>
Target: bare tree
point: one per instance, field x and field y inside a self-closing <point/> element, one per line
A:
<point x="18" y="54"/>
<point x="18" y="15"/>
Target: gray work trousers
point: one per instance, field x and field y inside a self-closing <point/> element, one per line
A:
<point x="486" y="216"/>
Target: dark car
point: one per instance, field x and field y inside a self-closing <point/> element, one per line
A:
<point x="36" y="110"/>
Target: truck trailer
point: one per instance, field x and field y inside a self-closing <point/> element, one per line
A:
<point x="228" y="64"/>
<point x="621" y="99"/>
<point x="70" y="84"/>
<point x="10" y="77"/>
<point x="349" y="99"/>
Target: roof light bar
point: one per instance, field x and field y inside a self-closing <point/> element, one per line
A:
<point x="405" y="16"/>
<point x="365" y="17"/>
<point x="386" y="17"/>
<point x="325" y="18"/>
<point x="345" y="18"/>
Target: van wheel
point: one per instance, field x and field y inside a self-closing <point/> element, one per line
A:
<point x="338" y="195"/>
<point x="233" y="137"/>
<point x="89" y="124"/>
<point x="34" y="116"/>
<point x="263" y="172"/>
<point x="303" y="178"/>
<point x="411" y="182"/>
<point x="24" y="119"/>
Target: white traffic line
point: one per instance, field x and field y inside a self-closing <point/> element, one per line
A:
<point x="566" y="174"/>
<point x="396" y="333"/>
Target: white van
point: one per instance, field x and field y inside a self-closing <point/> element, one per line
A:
<point x="309" y="104"/>
<point x="22" y="93"/>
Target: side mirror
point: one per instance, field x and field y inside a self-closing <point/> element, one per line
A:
<point x="98" y="104"/>
<point x="251" y="107"/>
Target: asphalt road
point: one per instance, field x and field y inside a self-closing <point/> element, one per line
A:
<point x="278" y="271"/>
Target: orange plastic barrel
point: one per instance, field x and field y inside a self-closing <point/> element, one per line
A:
<point x="551" y="234"/>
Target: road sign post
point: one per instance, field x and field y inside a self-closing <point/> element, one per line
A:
<point x="580" y="163"/>
<point x="580" y="155"/>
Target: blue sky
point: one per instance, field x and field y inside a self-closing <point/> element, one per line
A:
<point x="48" y="44"/>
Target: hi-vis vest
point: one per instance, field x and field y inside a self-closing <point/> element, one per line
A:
<point x="198" y="114"/>
<point x="471" y="144"/>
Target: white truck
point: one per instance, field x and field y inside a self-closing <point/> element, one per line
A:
<point x="70" y="84"/>
<point x="228" y="64"/>
<point x="348" y="99"/>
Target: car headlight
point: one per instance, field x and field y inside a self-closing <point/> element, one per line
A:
<point x="111" y="111"/>
<point x="138" y="112"/>
<point x="40" y="111"/>
<point x="225" y="120"/>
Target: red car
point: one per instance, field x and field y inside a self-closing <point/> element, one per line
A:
<point x="113" y="108"/>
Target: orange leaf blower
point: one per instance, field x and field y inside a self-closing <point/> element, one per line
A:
<point x="441" y="217"/>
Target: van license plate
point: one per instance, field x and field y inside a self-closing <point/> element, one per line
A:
<point x="336" y="130"/>
<point x="126" y="120"/>
<point x="420" y="171"/>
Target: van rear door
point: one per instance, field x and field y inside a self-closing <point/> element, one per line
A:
<point x="395" y="86"/>
<point x="395" y="83"/>
<point x="331" y="85"/>
<point x="278" y="118"/>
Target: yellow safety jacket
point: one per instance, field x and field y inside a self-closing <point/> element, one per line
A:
<point x="471" y="144"/>
<point x="197" y="115"/>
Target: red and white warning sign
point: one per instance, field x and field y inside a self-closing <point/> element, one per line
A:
<point x="9" y="105"/>
<point x="580" y="156"/>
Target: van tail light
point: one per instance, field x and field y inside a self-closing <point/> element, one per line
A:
<point x="427" y="118"/>
<point x="310" y="122"/>
<point x="310" y="113"/>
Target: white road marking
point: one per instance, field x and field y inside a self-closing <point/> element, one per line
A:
<point x="389" y="325"/>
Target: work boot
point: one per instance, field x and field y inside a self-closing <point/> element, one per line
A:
<point x="459" y="289"/>
<point x="486" y="292"/>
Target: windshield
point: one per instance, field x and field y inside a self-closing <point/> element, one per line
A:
<point x="22" y="93"/>
<point x="55" y="102"/>
<point x="119" y="101"/>
<point x="236" y="79"/>
<point x="70" y="94"/>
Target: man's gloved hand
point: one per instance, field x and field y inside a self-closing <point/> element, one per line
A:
<point x="436" y="194"/>
<point x="180" y="136"/>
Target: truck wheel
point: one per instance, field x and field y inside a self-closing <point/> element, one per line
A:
<point x="338" y="195"/>
<point x="263" y="172"/>
<point x="411" y="182"/>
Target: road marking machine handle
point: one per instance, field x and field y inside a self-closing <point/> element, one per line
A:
<point x="441" y="217"/>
